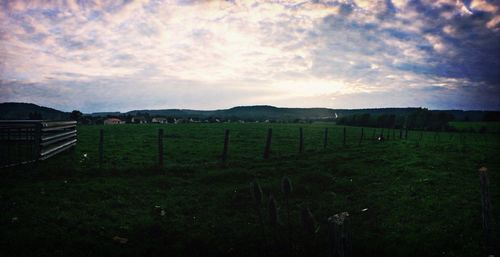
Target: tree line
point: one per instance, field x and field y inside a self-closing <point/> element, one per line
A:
<point x="422" y="119"/>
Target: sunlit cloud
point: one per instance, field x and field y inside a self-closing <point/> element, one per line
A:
<point x="112" y="55"/>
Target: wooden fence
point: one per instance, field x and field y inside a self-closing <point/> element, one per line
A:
<point x="24" y="141"/>
<point x="354" y="136"/>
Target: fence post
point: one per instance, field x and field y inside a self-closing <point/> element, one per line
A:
<point x="401" y="133"/>
<point x="268" y="144"/>
<point x="361" y="138"/>
<point x="226" y="145"/>
<point x="419" y="140"/>
<point x="486" y="210"/>
<point x="374" y="132"/>
<point x="339" y="237"/>
<point x="160" y="148"/>
<point x="325" y="139"/>
<point x="8" y="147"/>
<point x="101" y="147"/>
<point x="38" y="140"/>
<point x="301" y="140"/>
<point x="344" y="136"/>
<point x="406" y="133"/>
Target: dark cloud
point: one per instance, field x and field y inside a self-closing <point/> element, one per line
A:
<point x="430" y="53"/>
<point x="475" y="47"/>
<point x="470" y="51"/>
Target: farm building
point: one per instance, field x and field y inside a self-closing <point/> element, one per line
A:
<point x="159" y="120"/>
<point x="113" y="121"/>
<point x="139" y="119"/>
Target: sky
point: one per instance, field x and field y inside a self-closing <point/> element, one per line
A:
<point x="149" y="54"/>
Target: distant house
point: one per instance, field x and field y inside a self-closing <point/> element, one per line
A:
<point x="113" y="121"/>
<point x="139" y="119"/>
<point x="159" y="120"/>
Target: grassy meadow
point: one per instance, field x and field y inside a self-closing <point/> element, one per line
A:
<point x="413" y="197"/>
<point x="489" y="127"/>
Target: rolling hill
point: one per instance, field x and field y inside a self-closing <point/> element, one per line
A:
<point x="13" y="111"/>
<point x="25" y="111"/>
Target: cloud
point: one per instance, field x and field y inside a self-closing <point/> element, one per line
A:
<point x="269" y="52"/>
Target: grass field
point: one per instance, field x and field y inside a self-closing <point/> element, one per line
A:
<point x="490" y="127"/>
<point x="421" y="195"/>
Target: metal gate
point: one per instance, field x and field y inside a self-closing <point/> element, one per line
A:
<point x="24" y="141"/>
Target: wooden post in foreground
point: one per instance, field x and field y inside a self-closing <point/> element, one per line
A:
<point x="344" y="136"/>
<point x="325" y="139"/>
<point x="419" y="138"/>
<point x="268" y="144"/>
<point x="361" y="138"/>
<point x="301" y="140"/>
<point x="226" y="146"/>
<point x="339" y="237"/>
<point x="38" y="140"/>
<point x="486" y="211"/>
<point x="101" y="147"/>
<point x="160" y="147"/>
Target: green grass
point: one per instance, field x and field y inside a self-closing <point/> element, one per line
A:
<point x="422" y="195"/>
<point x="489" y="127"/>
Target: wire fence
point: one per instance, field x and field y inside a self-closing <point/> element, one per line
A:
<point x="159" y="145"/>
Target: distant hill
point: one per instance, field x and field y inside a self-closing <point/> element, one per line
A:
<point x="264" y="112"/>
<point x="25" y="111"/>
<point x="257" y="112"/>
<point x="104" y="114"/>
<point x="276" y="113"/>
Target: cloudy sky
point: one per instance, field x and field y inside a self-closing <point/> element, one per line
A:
<point x="124" y="55"/>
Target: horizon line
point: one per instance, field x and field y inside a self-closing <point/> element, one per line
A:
<point x="256" y="105"/>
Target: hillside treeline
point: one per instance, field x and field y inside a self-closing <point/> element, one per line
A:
<point x="421" y="118"/>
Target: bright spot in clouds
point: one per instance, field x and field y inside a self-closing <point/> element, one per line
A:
<point x="113" y="55"/>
